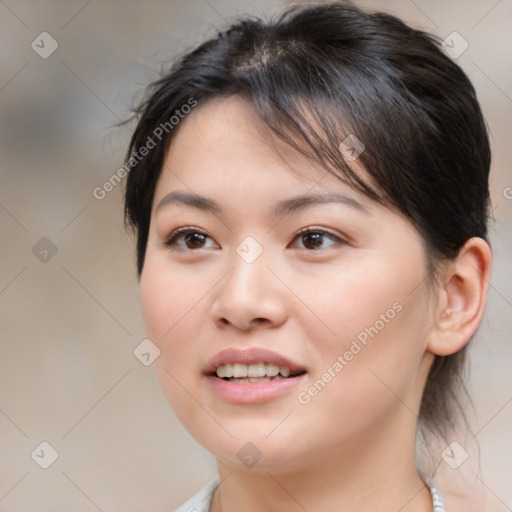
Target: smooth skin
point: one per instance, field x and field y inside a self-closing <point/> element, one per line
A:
<point x="352" y="447"/>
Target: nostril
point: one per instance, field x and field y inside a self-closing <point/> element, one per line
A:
<point x="254" y="323"/>
<point x="259" y="321"/>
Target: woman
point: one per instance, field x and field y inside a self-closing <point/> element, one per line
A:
<point x="310" y="197"/>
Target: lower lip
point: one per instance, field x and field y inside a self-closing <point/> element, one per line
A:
<point x="252" y="392"/>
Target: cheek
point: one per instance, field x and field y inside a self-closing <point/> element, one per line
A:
<point x="167" y="297"/>
<point x="168" y="314"/>
<point x="365" y="295"/>
<point x="170" y="304"/>
<point x="378" y="318"/>
<point x="360" y="386"/>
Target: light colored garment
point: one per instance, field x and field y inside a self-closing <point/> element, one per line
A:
<point x="201" y="501"/>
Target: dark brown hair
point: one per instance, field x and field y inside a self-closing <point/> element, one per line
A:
<point x="318" y="74"/>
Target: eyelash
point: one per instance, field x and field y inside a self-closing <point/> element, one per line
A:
<point x="175" y="235"/>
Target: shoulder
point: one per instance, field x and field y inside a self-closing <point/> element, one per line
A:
<point x="200" y="502"/>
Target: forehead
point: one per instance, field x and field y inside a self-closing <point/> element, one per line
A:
<point x="223" y="147"/>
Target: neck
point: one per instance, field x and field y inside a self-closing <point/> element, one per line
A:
<point x="375" y="471"/>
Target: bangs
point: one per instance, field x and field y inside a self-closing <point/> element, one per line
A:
<point x="336" y="116"/>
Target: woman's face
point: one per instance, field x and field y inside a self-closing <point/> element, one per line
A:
<point x="344" y="308"/>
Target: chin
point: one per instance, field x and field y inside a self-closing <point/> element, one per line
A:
<point x="250" y="450"/>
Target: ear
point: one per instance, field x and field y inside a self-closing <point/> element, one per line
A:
<point x="461" y="298"/>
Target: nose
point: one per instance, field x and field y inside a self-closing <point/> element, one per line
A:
<point x="249" y="297"/>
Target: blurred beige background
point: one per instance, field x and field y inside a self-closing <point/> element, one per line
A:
<point x="70" y="317"/>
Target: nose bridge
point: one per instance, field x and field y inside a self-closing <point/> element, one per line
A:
<point x="248" y="278"/>
<point x="249" y="291"/>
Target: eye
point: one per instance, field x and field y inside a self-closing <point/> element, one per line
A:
<point x="187" y="238"/>
<point x="313" y="239"/>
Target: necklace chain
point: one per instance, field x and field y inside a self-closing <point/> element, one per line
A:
<point x="437" y="499"/>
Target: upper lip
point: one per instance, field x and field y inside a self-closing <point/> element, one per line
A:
<point x="250" y="356"/>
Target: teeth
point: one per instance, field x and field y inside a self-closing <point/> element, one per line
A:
<point x="272" y="370"/>
<point x="225" y="371"/>
<point x="285" y="372"/>
<point x="228" y="370"/>
<point x="239" y="370"/>
<point x="254" y="372"/>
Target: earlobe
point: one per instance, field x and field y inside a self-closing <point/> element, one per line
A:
<point x="462" y="298"/>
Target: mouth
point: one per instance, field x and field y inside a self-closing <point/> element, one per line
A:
<point x="252" y="375"/>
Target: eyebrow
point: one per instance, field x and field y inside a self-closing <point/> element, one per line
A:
<point x="283" y="207"/>
<point x="301" y="202"/>
<point x="198" y="202"/>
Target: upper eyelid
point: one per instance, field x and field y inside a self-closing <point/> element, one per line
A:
<point x="184" y="231"/>
<point x="325" y="232"/>
<point x="312" y="229"/>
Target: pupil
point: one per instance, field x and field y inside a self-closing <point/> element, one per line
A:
<point x="195" y="239"/>
<point x="315" y="238"/>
